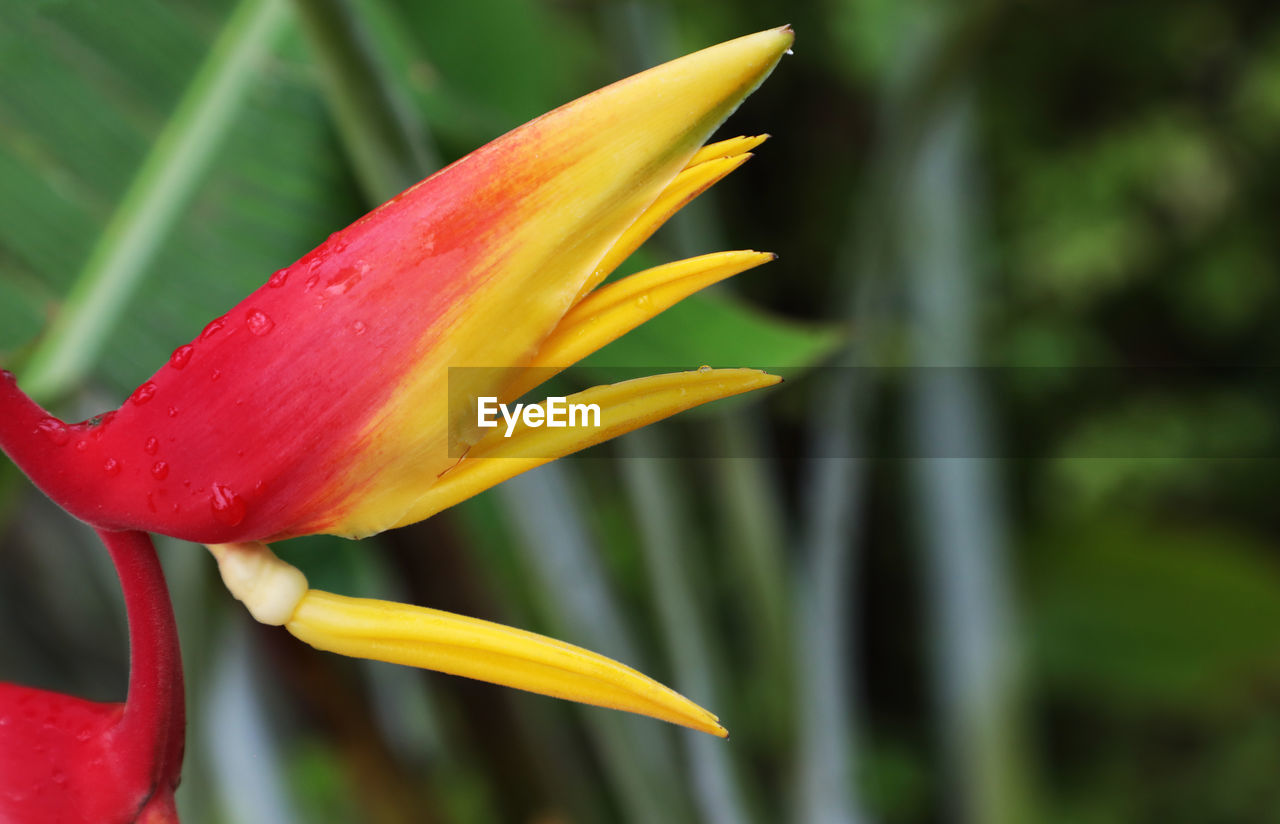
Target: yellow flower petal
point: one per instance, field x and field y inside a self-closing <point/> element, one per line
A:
<point x="726" y="148"/>
<point x="431" y="639"/>
<point x="623" y="406"/>
<point x="277" y="593"/>
<point x="687" y="185"/>
<point x="611" y="311"/>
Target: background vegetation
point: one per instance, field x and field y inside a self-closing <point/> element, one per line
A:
<point x="1028" y="280"/>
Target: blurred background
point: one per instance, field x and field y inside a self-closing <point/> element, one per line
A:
<point x="1004" y="548"/>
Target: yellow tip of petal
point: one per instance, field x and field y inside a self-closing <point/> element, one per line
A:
<point x="732" y="147"/>
<point x="686" y="186"/>
<point x="431" y="639"/>
<point x="624" y="407"/>
<point x="613" y="310"/>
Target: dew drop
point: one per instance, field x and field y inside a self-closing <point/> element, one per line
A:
<point x="55" y="430"/>
<point x="173" y="411"/>
<point x="227" y="506"/>
<point x="704" y="369"/>
<point x="152" y="446"/>
<point x="143" y="393"/>
<point x="311" y="282"/>
<point x="215" y="374"/>
<point x="358" y="327"/>
<point x="181" y="356"/>
<point x="346" y="278"/>
<point x="112" y="467"/>
<point x="278" y="278"/>
<point x="214" y="327"/>
<point x="82" y="446"/>
<point x="160" y="470"/>
<point x="258" y="322"/>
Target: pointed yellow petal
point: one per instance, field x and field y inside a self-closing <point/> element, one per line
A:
<point x="611" y="311"/>
<point x="431" y="639"/>
<point x="623" y="407"/>
<point x="687" y="185"/>
<point x="726" y="148"/>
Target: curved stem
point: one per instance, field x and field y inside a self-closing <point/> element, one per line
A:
<point x="154" y="720"/>
<point x="20" y="426"/>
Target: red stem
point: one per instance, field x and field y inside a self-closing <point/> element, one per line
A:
<point x="38" y="455"/>
<point x="154" y="721"/>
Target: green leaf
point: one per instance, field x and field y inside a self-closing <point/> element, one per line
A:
<point x="80" y="110"/>
<point x="155" y="196"/>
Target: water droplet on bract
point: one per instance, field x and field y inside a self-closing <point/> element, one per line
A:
<point x="173" y="411"/>
<point x="82" y="446"/>
<point x="358" y="327"/>
<point x="143" y="393"/>
<point x="311" y="282"/>
<point x="152" y="446"/>
<point x="346" y="278"/>
<point x="215" y="374"/>
<point x="278" y="278"/>
<point x="160" y="470"/>
<point x="181" y="356"/>
<point x="112" y="467"/>
<point x="55" y="430"/>
<point x="258" y="322"/>
<point x="227" y="506"/>
<point x="704" y="369"/>
<point x="214" y="327"/>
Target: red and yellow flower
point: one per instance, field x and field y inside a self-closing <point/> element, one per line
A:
<point x="320" y="404"/>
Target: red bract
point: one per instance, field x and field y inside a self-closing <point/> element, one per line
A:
<point x="64" y="759"/>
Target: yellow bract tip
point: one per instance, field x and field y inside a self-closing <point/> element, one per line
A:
<point x="432" y="639"/>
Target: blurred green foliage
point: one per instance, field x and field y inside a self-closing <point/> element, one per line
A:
<point x="1122" y="204"/>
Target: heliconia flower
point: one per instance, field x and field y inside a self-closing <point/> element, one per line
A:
<point x="320" y="403"/>
<point x="65" y="759"/>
